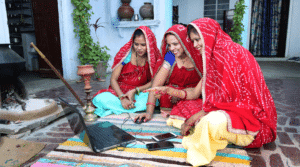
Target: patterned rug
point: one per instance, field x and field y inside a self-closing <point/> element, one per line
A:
<point x="74" y="152"/>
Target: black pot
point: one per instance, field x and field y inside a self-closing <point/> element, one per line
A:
<point x="11" y="64"/>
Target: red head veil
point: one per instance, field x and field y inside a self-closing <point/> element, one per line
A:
<point x="180" y="33"/>
<point x="154" y="57"/>
<point x="233" y="83"/>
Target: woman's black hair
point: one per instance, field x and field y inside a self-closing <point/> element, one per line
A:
<point x="137" y="33"/>
<point x="191" y="29"/>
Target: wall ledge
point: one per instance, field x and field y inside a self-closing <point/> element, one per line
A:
<point x="120" y="25"/>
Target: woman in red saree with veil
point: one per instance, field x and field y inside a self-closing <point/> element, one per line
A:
<point x="183" y="74"/>
<point x="237" y="106"/>
<point x="133" y="69"/>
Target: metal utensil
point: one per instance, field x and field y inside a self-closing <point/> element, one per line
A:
<point x="136" y="17"/>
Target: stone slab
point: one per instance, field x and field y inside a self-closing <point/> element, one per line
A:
<point x="16" y="128"/>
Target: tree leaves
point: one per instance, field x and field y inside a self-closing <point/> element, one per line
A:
<point x="238" y="26"/>
<point x="89" y="51"/>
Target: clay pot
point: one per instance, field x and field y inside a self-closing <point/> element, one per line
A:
<point x="125" y="12"/>
<point x="86" y="72"/>
<point x="146" y="11"/>
<point x="125" y="1"/>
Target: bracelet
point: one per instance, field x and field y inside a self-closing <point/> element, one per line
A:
<point x="185" y="94"/>
<point x="137" y="91"/>
<point x="121" y="96"/>
<point x="150" y="104"/>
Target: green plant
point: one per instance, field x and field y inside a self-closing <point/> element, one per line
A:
<point x="89" y="51"/>
<point x="238" y="26"/>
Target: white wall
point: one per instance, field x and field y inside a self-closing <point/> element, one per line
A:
<point x="69" y="44"/>
<point x="111" y="36"/>
<point x="293" y="34"/>
<point x="189" y="10"/>
<point x="4" y="37"/>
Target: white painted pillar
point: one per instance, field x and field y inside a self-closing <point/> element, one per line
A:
<point x="247" y="24"/>
<point x="69" y="44"/>
<point x="3" y="24"/>
<point x="168" y="13"/>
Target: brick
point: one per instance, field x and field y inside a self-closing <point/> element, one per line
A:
<point x="293" y="114"/>
<point x="291" y="130"/>
<point x="276" y="161"/>
<point x="270" y="146"/>
<point x="48" y="140"/>
<point x="284" y="138"/>
<point x="60" y="134"/>
<point x="50" y="147"/>
<point x="297" y="137"/>
<point x="55" y="129"/>
<point x="253" y="150"/>
<point x="295" y="122"/>
<point x="257" y="161"/>
<point x="279" y="128"/>
<point x="64" y="125"/>
<point x="292" y="153"/>
<point x="282" y="120"/>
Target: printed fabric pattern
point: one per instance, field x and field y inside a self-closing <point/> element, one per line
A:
<point x="233" y="83"/>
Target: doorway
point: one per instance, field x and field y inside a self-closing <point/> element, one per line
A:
<point x="269" y="21"/>
<point x="47" y="35"/>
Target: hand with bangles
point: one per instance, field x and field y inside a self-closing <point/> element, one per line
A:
<point x="159" y="90"/>
<point x="130" y="95"/>
<point x="126" y="103"/>
<point x="189" y="123"/>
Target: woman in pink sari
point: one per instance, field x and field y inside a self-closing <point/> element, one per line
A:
<point x="236" y="107"/>
<point x="133" y="69"/>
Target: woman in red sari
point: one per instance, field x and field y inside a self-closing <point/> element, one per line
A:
<point x="133" y="68"/>
<point x="181" y="75"/>
<point x="237" y="106"/>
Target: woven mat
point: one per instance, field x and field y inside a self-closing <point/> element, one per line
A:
<point x="14" y="152"/>
<point x="74" y="152"/>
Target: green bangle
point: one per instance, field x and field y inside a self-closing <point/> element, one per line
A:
<point x="121" y="96"/>
<point x="137" y="91"/>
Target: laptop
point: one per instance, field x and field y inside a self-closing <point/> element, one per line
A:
<point x="103" y="135"/>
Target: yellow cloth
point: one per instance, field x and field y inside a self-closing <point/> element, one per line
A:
<point x="209" y="135"/>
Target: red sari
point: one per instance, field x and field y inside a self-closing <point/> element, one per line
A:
<point x="233" y="83"/>
<point x="182" y="78"/>
<point x="132" y="76"/>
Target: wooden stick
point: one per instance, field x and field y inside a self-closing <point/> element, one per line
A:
<point x="58" y="74"/>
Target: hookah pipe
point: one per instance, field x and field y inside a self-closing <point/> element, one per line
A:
<point x="58" y="74"/>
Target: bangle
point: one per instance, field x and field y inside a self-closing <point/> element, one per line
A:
<point x="121" y="96"/>
<point x="137" y="91"/>
<point x="184" y="95"/>
<point x="150" y="104"/>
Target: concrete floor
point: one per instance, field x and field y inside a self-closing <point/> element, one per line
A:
<point x="282" y="78"/>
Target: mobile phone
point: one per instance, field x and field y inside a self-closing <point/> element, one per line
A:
<point x="164" y="136"/>
<point x="159" y="145"/>
<point x="4" y="121"/>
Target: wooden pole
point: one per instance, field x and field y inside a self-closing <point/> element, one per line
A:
<point x="58" y="74"/>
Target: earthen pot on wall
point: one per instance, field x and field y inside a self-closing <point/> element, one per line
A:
<point x="146" y="11"/>
<point x="125" y="11"/>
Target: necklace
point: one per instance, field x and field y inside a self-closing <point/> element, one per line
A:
<point x="139" y="78"/>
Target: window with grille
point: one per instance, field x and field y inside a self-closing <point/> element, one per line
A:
<point x="215" y="9"/>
